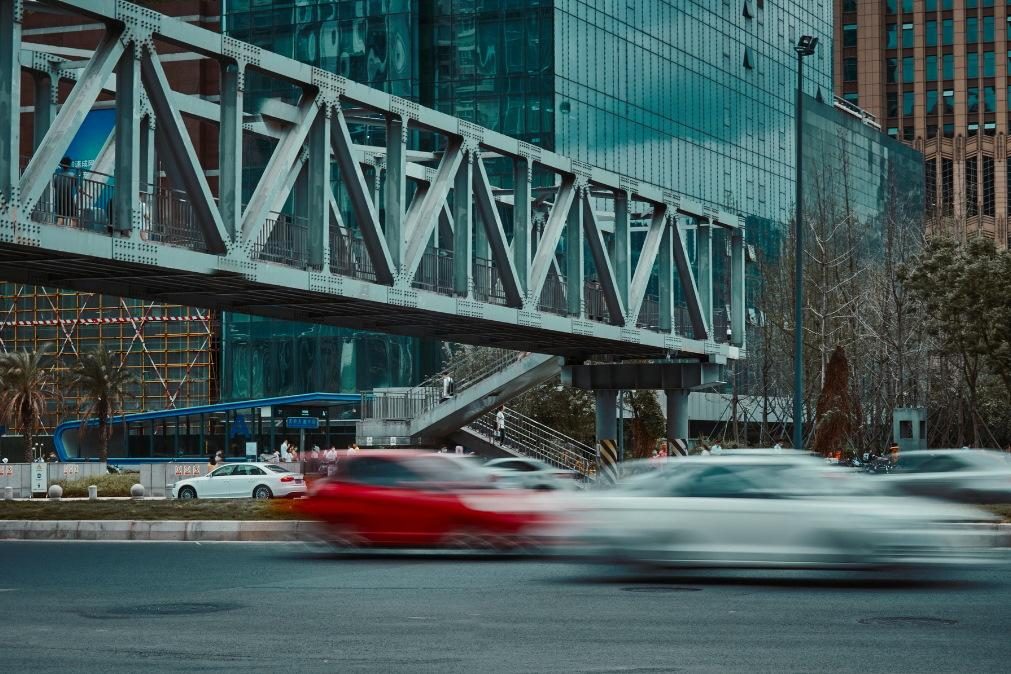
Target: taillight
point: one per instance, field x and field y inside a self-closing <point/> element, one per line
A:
<point x="287" y="478"/>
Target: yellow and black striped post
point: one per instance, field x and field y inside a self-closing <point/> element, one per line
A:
<point x="607" y="460"/>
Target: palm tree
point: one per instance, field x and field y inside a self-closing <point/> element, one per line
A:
<point x="103" y="380"/>
<point x="22" y="396"/>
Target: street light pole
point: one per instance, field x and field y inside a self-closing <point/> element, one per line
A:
<point x="805" y="47"/>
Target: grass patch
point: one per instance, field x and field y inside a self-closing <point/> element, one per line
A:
<point x="237" y="509"/>
<point x="108" y="485"/>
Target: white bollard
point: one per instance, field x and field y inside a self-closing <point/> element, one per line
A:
<point x="137" y="491"/>
<point x="92" y="493"/>
<point x="55" y="492"/>
<point x="8" y="493"/>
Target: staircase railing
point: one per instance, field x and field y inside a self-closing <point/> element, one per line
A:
<point x="532" y="438"/>
<point x="465" y="371"/>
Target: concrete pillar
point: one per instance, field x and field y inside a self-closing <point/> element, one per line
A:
<point x="607" y="415"/>
<point x="607" y="433"/>
<point x="677" y="414"/>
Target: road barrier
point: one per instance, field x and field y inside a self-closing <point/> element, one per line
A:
<point x="18" y="476"/>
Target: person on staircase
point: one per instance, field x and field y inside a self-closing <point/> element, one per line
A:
<point x="500" y="424"/>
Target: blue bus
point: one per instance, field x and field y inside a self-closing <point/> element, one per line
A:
<point x="239" y="429"/>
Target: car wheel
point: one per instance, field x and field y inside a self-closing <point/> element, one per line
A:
<point x="262" y="492"/>
<point x="187" y="493"/>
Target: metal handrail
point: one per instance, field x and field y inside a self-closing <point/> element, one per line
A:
<point x="466" y="371"/>
<point x="530" y="437"/>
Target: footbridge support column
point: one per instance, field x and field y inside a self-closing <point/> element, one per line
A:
<point x="607" y="433"/>
<point x="677" y="379"/>
<point x="677" y="421"/>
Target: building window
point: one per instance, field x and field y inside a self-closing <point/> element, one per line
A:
<point x="908" y="101"/>
<point x="947" y="32"/>
<point x="947" y="179"/>
<point x="931" y="102"/>
<point x="987" y="29"/>
<point x="972" y="99"/>
<point x="907" y="6"/>
<point x="989" y="100"/>
<point x="849" y="5"/>
<point x="892" y="104"/>
<point x="892" y="69"/>
<point x="908" y="70"/>
<point x="907" y="36"/>
<point x="931" y="68"/>
<point x="989" y="205"/>
<point x="851" y="97"/>
<point x="972" y="65"/>
<point x="971" y="187"/>
<point x="891" y="41"/>
<point x="930" y="177"/>
<point x="930" y="33"/>
<point x="949" y="102"/>
<point x="971" y="30"/>
<point x="849" y="35"/>
<point x="890" y="6"/>
<point x="948" y="65"/>
<point x="849" y="70"/>
<point x="989" y="66"/>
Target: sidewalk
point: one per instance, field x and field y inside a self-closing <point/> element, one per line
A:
<point x="157" y="530"/>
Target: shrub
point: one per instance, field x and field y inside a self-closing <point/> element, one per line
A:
<point x="108" y="485"/>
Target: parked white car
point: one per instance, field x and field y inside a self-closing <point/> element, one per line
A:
<point x="242" y="480"/>
<point x="765" y="511"/>
<point x="531" y="474"/>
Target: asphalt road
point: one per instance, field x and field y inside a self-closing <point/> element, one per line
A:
<point x="106" y="607"/>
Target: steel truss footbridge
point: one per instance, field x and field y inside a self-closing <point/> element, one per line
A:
<point x="416" y="233"/>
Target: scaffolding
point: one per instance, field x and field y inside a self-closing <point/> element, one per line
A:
<point x="172" y="350"/>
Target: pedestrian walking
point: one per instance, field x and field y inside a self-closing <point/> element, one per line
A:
<point x="500" y="424"/>
<point x="448" y="387"/>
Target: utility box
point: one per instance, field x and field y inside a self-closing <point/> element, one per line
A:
<point x="909" y="428"/>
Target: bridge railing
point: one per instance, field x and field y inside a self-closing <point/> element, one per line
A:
<point x="348" y="255"/>
<point x="465" y="371"/>
<point x="530" y="437"/>
<point x="285" y="240"/>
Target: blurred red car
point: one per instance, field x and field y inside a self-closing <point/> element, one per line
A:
<point x="410" y="498"/>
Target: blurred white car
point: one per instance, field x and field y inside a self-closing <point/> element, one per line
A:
<point x="967" y="475"/>
<point x="766" y="511"/>
<point x="242" y="480"/>
<point x="531" y="474"/>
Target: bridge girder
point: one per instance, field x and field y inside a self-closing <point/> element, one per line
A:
<point x="432" y="247"/>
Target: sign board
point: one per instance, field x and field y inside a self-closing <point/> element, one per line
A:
<point x="303" y="423"/>
<point x="40" y="478"/>
<point x="250" y="450"/>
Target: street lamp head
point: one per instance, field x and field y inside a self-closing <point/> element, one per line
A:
<point x="806" y="45"/>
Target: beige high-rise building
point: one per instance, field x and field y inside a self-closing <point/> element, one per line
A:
<point x="935" y="73"/>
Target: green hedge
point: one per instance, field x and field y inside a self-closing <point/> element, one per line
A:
<point x="108" y="485"/>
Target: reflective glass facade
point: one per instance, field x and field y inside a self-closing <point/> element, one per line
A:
<point x="858" y="172"/>
<point x="695" y="96"/>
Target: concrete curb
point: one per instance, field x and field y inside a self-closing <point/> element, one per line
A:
<point x="157" y="530"/>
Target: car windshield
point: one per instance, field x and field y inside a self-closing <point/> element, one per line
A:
<point x="276" y="469"/>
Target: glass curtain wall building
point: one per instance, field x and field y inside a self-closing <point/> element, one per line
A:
<point x="694" y="96"/>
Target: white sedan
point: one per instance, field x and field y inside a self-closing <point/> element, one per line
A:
<point x="531" y="474"/>
<point x="766" y="511"/>
<point x="242" y="480"/>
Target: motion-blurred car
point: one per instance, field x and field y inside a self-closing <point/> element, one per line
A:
<point x="966" y="475"/>
<point x="532" y="474"/>
<point x="772" y="512"/>
<point x="242" y="480"/>
<point x="415" y="499"/>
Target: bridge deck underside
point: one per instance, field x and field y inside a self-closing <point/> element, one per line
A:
<point x="226" y="291"/>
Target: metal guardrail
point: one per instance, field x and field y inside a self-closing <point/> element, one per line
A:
<point x="348" y="255"/>
<point x="475" y="366"/>
<point x="531" y="438"/>
<point x="284" y="240"/>
<point x="435" y="272"/>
